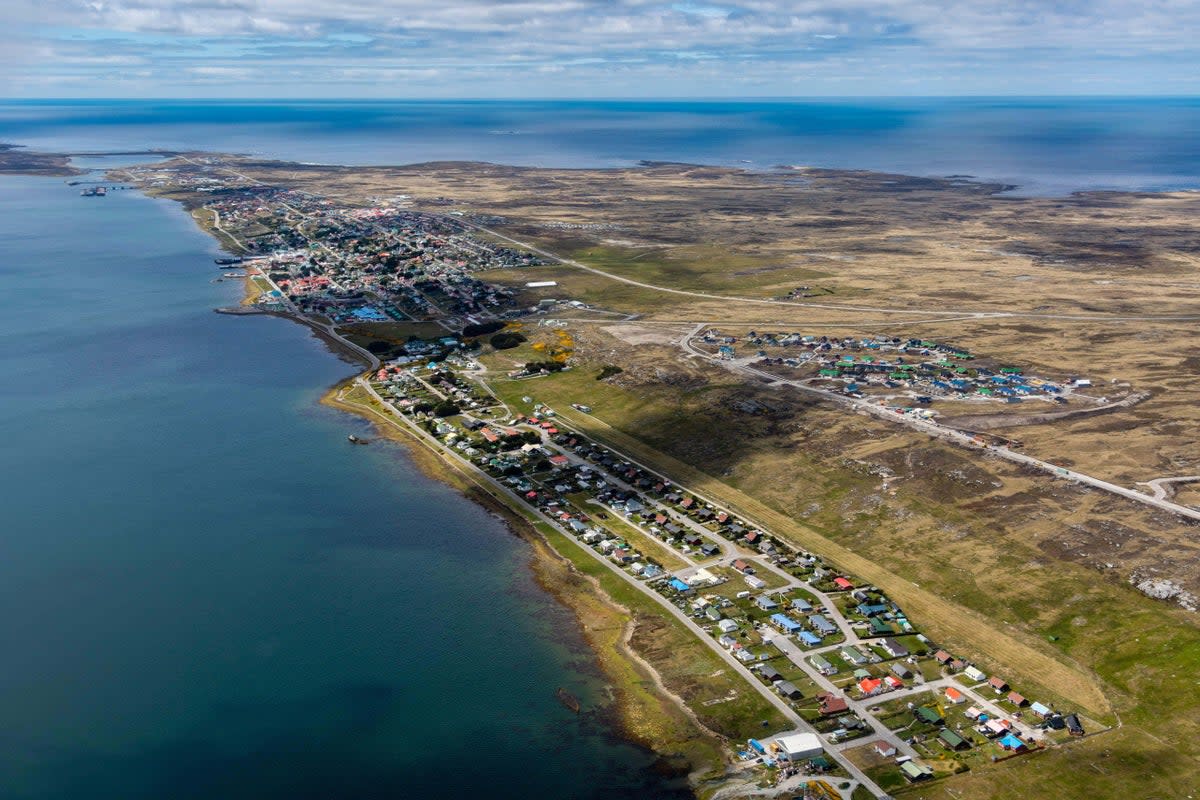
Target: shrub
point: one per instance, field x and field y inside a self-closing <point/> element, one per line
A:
<point x="608" y="371"/>
<point x="506" y="341"/>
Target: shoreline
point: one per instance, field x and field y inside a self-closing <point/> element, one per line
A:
<point x="606" y="626"/>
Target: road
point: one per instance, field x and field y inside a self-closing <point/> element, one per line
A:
<point x="1162" y="486"/>
<point x="497" y="488"/>
<point x="931" y="428"/>
<point x="964" y="314"/>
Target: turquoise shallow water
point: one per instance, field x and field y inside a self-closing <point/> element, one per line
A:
<point x="205" y="592"/>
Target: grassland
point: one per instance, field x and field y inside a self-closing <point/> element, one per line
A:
<point x="1025" y="575"/>
<point x="1060" y="630"/>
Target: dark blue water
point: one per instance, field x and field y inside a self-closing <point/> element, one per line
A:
<point x="1044" y="145"/>
<point x="206" y="593"/>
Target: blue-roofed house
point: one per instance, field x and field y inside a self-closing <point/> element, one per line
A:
<point x="821" y="625"/>
<point x="801" y="605"/>
<point x="766" y="603"/>
<point x="785" y="623"/>
<point x="679" y="585"/>
<point x="809" y="638"/>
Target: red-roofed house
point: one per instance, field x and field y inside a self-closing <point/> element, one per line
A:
<point x="954" y="695"/>
<point x="842" y="583"/>
<point x="830" y="704"/>
<point x="870" y="686"/>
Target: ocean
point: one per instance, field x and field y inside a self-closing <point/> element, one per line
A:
<point x="206" y="592"/>
<point x="1042" y="145"/>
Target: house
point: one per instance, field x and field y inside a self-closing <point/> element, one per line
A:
<point x="691" y="539"/>
<point x="998" y="683"/>
<point x="743" y="567"/>
<point x="1041" y="710"/>
<point x="892" y="682"/>
<point x="789" y="690"/>
<point x="755" y="583"/>
<point x="927" y="715"/>
<point x="830" y="704"/>
<point x="870" y="686"/>
<point x="885" y="749"/>
<point x="954" y="695"/>
<point x="942" y="657"/>
<point x="727" y="626"/>
<point x="785" y="623"/>
<point x="853" y="655"/>
<point x="952" y="740"/>
<point x="1017" y="700"/>
<point x="722" y="517"/>
<point x="688" y="502"/>
<point x="679" y="585"/>
<point x="822" y="665"/>
<point x="559" y="461"/>
<point x="710" y="549"/>
<point x="821" y="625"/>
<point x="765" y="603"/>
<point x="901" y="671"/>
<point x="769" y="673"/>
<point x="801" y="605"/>
<point x="893" y="648"/>
<point x="1074" y="727"/>
<point x="997" y="727"/>
<point x="753" y="537"/>
<point x="726" y="641"/>
<point x="879" y="627"/>
<point x="809" y="639"/>
<point x="915" y="771"/>
<point x="871" y="609"/>
<point x="975" y="674"/>
<point x="842" y="583"/>
<point x="713" y="613"/>
<point x="1011" y="742"/>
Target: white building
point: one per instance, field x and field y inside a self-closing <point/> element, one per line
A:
<point x="800" y="746"/>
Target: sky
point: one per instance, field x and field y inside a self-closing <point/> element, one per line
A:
<point x="592" y="48"/>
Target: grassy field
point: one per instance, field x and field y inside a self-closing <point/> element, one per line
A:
<point x="1100" y="648"/>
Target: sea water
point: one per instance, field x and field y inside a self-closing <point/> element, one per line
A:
<point x="206" y="591"/>
<point x="1042" y="145"/>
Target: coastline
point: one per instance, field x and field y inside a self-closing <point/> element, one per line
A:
<point x="644" y="709"/>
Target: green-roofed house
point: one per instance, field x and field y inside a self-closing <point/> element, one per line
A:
<point x="916" y="772"/>
<point x="953" y="740"/>
<point x="928" y="715"/>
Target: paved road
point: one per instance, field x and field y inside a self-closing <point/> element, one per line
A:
<point x="1161" y="486"/>
<point x="966" y="314"/>
<point x="496" y="487"/>
<point x="940" y="431"/>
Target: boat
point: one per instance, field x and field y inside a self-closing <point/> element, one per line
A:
<point x="567" y="699"/>
<point x="95" y="191"/>
<point x="356" y="440"/>
<point x="227" y="262"/>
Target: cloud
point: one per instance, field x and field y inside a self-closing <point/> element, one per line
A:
<point x="610" y="46"/>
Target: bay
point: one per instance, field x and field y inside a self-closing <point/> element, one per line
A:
<point x="206" y="592"/>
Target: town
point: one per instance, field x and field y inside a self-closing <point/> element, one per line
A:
<point x="871" y="703"/>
